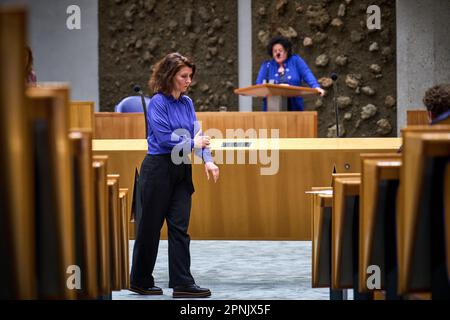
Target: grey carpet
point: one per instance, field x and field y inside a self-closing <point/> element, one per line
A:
<point x="238" y="270"/>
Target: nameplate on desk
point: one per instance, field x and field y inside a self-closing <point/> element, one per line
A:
<point x="236" y="144"/>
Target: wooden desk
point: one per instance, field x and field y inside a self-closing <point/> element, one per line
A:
<point x="113" y="125"/>
<point x="245" y="205"/>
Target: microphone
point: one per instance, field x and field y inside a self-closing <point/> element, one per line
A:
<point x="138" y="90"/>
<point x="266" y="80"/>
<point x="334" y="77"/>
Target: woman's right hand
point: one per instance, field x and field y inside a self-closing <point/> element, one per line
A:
<point x="201" y="141"/>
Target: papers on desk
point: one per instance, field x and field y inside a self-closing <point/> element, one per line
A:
<point x="330" y="192"/>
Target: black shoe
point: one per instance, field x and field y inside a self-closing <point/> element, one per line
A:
<point x="190" y="291"/>
<point x="148" y="291"/>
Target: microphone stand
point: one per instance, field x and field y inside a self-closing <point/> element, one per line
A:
<point x="336" y="109"/>
<point x="138" y="90"/>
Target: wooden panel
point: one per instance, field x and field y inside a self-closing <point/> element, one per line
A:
<point x="82" y="115"/>
<point x="220" y="211"/>
<point x="124" y="219"/>
<point x="99" y="165"/>
<point x="416" y="148"/>
<point x="114" y="232"/>
<point x="375" y="168"/>
<point x="417" y="117"/>
<point x="341" y="228"/>
<point x="17" y="236"/>
<point x="111" y="125"/>
<point x="48" y="109"/>
<point x="86" y="242"/>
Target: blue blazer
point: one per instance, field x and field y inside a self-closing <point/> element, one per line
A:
<point x="296" y="72"/>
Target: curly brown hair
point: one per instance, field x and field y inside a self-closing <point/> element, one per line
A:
<point x="437" y="99"/>
<point x="161" y="80"/>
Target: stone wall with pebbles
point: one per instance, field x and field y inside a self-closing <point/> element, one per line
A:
<point x="135" y="34"/>
<point x="332" y="36"/>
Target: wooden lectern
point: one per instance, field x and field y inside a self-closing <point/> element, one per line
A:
<point x="276" y="94"/>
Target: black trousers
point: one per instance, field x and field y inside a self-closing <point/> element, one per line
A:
<point x="166" y="190"/>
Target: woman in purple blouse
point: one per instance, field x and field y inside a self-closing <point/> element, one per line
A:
<point x="166" y="179"/>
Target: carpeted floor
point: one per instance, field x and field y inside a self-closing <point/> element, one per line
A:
<point x="242" y="270"/>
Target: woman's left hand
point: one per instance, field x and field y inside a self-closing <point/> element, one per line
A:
<point x="211" y="167"/>
<point x="321" y="91"/>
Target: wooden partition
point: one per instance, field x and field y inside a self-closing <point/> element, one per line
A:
<point x="114" y="232"/>
<point x="417" y="117"/>
<point x="345" y="215"/>
<point x="124" y="236"/>
<point x="82" y="115"/>
<point x="50" y="151"/>
<point x="111" y="125"/>
<point x="86" y="242"/>
<point x="101" y="197"/>
<point x="321" y="204"/>
<point x="418" y="247"/>
<point x="380" y="176"/>
<point x="17" y="236"/>
<point x="407" y="208"/>
<point x="246" y="204"/>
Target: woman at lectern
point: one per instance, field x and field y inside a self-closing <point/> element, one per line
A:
<point x="288" y="68"/>
<point x="166" y="179"/>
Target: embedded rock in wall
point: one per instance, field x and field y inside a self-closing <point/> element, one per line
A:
<point x="135" y="34"/>
<point x="384" y="127"/>
<point x="368" y="111"/>
<point x="318" y="16"/>
<point x="364" y="60"/>
<point x="390" y="102"/>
